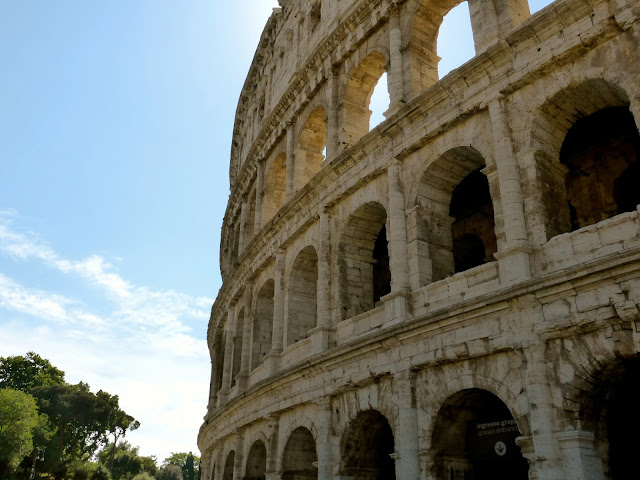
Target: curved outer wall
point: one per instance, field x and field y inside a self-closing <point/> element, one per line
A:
<point x="309" y="341"/>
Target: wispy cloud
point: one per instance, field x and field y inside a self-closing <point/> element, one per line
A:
<point x="136" y="342"/>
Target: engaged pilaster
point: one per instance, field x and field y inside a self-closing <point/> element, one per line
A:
<point x="513" y="257"/>
<point x="396" y="72"/>
<point x="407" y="464"/>
<point x="228" y="359"/>
<point x="290" y="188"/>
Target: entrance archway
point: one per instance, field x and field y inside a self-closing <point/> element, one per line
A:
<point x="228" y="466"/>
<point x="474" y="438"/>
<point x="256" y="462"/>
<point x="367" y="448"/>
<point x="300" y="456"/>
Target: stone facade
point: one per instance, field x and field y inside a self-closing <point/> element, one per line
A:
<point x="453" y="294"/>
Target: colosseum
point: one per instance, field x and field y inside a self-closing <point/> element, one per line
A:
<point x="452" y="294"/>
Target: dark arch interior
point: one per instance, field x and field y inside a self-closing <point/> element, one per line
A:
<point x="228" y="466"/>
<point x="473" y="229"/>
<point x="612" y="413"/>
<point x="474" y="439"/>
<point x="381" y="271"/>
<point x="367" y="448"/>
<point x="601" y="153"/>
<point x="300" y="456"/>
<point x="256" y="462"/>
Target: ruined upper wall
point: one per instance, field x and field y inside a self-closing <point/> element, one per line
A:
<point x="290" y="38"/>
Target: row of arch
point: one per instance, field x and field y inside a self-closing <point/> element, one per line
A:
<point x="597" y="168"/>
<point x="463" y="440"/>
<point x="474" y="436"/>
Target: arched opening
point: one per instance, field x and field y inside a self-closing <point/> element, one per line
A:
<point x="367" y="448"/>
<point x="302" y="296"/>
<point x="601" y="152"/>
<point x="313" y="140"/>
<point x="262" y="324"/>
<point x="455" y="39"/>
<point x="276" y="184"/>
<point x="473" y="229"/>
<point x="228" y="466"/>
<point x="364" y="260"/>
<point x="237" y="346"/>
<point x="380" y="101"/>
<point x="357" y="97"/>
<point x="256" y="462"/>
<point x="234" y="245"/>
<point x="424" y="40"/>
<point x="300" y="456"/>
<point x="474" y="437"/>
<point x="456" y="228"/>
<point x="586" y="146"/>
<point x="611" y="414"/>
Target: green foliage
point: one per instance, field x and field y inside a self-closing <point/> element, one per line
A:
<point x="127" y="463"/>
<point x="169" y="472"/>
<point x="75" y="421"/>
<point x="25" y="373"/>
<point x="100" y="472"/>
<point x="143" y="476"/>
<point x="18" y="420"/>
<point x="188" y="462"/>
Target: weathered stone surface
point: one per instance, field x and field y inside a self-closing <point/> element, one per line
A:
<point x="468" y="269"/>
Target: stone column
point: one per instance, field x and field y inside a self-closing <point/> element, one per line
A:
<point x="259" y="195"/>
<point x="547" y="465"/>
<point x="290" y="166"/>
<point x="396" y="71"/>
<point x="228" y="359"/>
<point x="277" y="336"/>
<point x="320" y="334"/>
<point x="323" y="446"/>
<point x="245" y="359"/>
<point x="239" y="457"/>
<point x="513" y="259"/>
<point x="333" y="114"/>
<point x="420" y="265"/>
<point x="244" y="215"/>
<point x="581" y="461"/>
<point x="407" y="462"/>
<point x="397" y="302"/>
<point x="213" y="387"/>
<point x="272" y="448"/>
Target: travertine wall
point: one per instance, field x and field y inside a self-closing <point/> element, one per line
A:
<point x="508" y="342"/>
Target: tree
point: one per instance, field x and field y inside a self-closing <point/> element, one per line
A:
<point x="18" y="419"/>
<point x="83" y="421"/>
<point x="143" y="476"/>
<point x="25" y="373"/>
<point x="169" y="472"/>
<point x="188" y="462"/>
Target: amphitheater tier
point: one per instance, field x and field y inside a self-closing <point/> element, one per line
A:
<point x="453" y="293"/>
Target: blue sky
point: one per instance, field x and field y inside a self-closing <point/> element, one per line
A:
<point x="115" y="131"/>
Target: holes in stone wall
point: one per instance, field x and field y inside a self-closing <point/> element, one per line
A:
<point x="601" y="152"/>
<point x="357" y="97"/>
<point x="473" y="229"/>
<point x="456" y="212"/>
<point x="275" y="187"/>
<point x="256" y="462"/>
<point x="262" y="324"/>
<point x="356" y="259"/>
<point x="379" y="102"/>
<point x="474" y="437"/>
<point x="302" y="296"/>
<point x="381" y="270"/>
<point x="367" y="448"/>
<point x="228" y="466"/>
<point x="455" y="39"/>
<point x="313" y="140"/>
<point x="299" y="456"/>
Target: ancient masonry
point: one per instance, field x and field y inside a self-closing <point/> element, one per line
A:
<point x="454" y="293"/>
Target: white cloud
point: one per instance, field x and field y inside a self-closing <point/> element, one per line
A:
<point x="139" y="346"/>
